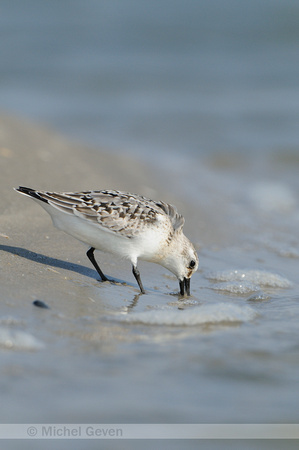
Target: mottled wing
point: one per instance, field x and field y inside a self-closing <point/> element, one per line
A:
<point x="142" y="205"/>
<point x="119" y="212"/>
<point x="137" y="206"/>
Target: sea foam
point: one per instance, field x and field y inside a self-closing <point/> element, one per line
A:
<point x="206" y="314"/>
<point x="18" y="340"/>
<point x="253" y="279"/>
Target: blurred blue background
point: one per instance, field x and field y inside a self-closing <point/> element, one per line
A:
<point x="190" y="76"/>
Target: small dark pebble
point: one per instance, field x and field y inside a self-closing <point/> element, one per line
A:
<point x="40" y="304"/>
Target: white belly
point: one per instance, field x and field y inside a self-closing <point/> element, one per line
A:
<point x="144" y="246"/>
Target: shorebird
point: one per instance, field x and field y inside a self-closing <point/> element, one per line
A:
<point x="127" y="225"/>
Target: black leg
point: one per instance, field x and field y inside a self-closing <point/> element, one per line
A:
<point x="187" y="286"/>
<point x="95" y="264"/>
<point x="138" y="279"/>
<point x="182" y="287"/>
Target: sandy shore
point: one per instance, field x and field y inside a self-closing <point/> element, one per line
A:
<point x="32" y="250"/>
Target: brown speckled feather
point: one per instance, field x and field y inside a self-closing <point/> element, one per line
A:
<point x="122" y="213"/>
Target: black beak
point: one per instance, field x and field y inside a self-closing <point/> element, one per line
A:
<point x="185" y="285"/>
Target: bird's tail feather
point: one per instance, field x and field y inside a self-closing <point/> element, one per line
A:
<point x="31" y="193"/>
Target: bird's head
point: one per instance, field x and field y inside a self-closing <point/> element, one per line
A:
<point x="182" y="260"/>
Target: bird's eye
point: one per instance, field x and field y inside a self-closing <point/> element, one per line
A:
<point x="192" y="264"/>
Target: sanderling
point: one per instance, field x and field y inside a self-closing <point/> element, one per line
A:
<point x="127" y="225"/>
